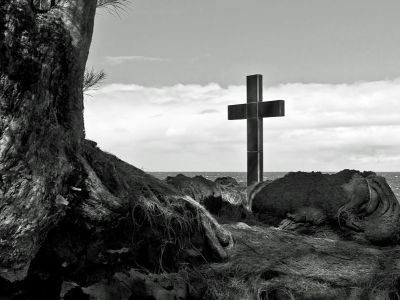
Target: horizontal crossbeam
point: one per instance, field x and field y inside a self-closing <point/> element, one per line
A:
<point x="254" y="110"/>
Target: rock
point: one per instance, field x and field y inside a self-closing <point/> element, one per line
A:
<point x="225" y="197"/>
<point x="131" y="285"/>
<point x="234" y="199"/>
<point x="356" y="205"/>
<point x="66" y="288"/>
<point x="199" y="188"/>
<point x="226" y="181"/>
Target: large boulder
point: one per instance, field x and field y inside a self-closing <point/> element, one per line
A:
<point x="348" y="204"/>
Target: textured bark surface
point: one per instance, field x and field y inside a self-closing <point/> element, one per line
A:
<point x="47" y="170"/>
<point x="43" y="51"/>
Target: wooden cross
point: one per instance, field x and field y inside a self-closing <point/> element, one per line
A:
<point x="254" y="111"/>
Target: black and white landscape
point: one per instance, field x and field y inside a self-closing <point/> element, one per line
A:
<point x="121" y="176"/>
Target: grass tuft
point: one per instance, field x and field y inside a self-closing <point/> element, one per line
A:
<point x="93" y="79"/>
<point x="113" y="6"/>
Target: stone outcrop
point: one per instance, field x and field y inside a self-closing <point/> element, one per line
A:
<point x="349" y="204"/>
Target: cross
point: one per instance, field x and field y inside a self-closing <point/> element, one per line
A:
<point x="254" y="111"/>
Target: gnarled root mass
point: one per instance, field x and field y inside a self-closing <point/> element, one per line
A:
<point x="118" y="218"/>
<point x="151" y="201"/>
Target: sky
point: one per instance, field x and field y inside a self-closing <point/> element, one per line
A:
<point x="173" y="66"/>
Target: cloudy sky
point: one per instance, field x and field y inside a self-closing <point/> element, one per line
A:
<point x="174" y="65"/>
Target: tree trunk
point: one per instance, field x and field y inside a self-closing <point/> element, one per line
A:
<point x="48" y="172"/>
<point x="43" y="51"/>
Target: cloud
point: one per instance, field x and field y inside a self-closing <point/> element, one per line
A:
<point x="117" y="60"/>
<point x="156" y="116"/>
<point x="208" y="111"/>
<point x="327" y="126"/>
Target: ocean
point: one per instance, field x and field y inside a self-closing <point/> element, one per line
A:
<point x="393" y="178"/>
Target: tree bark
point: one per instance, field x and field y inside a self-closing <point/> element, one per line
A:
<point x="43" y="51"/>
<point x="48" y="172"/>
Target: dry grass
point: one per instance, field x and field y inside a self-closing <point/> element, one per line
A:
<point x="274" y="264"/>
<point x="382" y="286"/>
<point x="159" y="213"/>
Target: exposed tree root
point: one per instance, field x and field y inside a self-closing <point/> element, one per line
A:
<point x="155" y="199"/>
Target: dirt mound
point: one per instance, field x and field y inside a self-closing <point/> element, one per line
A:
<point x="225" y="197"/>
<point x="353" y="204"/>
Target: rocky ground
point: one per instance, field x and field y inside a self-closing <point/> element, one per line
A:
<point x="309" y="236"/>
<point x="305" y="236"/>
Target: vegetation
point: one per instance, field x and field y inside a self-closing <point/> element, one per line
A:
<point x="78" y="222"/>
<point x="93" y="79"/>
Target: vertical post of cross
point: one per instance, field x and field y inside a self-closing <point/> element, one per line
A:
<point x="254" y="111"/>
<point x="254" y="131"/>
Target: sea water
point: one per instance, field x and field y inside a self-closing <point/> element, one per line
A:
<point x="393" y="178"/>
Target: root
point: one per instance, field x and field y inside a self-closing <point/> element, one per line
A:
<point x="116" y="187"/>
